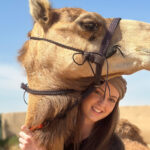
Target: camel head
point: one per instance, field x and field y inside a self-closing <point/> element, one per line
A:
<point x="49" y="66"/>
<point x="83" y="30"/>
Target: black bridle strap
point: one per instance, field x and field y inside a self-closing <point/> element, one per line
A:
<point x="108" y="36"/>
<point x="104" y="46"/>
<point x="37" y="92"/>
<point x="58" y="44"/>
<point x="93" y="57"/>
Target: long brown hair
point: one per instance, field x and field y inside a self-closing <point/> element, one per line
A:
<point x="101" y="132"/>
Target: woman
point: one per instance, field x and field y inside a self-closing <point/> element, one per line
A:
<point x="96" y="122"/>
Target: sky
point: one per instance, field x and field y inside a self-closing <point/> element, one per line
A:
<point x="15" y="22"/>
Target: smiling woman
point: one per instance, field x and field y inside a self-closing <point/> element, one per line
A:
<point x="98" y="116"/>
<point x="96" y="121"/>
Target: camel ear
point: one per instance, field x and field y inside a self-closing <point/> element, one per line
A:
<point x="40" y="11"/>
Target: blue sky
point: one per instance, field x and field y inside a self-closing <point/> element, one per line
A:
<point x="15" y="22"/>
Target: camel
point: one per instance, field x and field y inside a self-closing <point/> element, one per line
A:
<point x="51" y="67"/>
<point x="130" y="135"/>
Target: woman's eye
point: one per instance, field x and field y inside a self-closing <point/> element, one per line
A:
<point x="98" y="93"/>
<point x="112" y="100"/>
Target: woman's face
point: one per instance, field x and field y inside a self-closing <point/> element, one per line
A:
<point x="95" y="107"/>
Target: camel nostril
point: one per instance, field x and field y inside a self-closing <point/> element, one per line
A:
<point x="110" y="52"/>
<point x="113" y="50"/>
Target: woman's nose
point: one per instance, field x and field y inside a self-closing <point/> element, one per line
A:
<point x="101" y="105"/>
<point x="101" y="101"/>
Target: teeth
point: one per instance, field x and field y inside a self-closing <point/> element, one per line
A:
<point x="97" y="110"/>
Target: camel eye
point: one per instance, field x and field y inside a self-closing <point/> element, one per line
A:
<point x="89" y="26"/>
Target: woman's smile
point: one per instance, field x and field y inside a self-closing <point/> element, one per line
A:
<point x="95" y="109"/>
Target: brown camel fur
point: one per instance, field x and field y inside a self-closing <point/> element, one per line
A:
<point x="50" y="67"/>
<point x="127" y="130"/>
<point x="130" y="135"/>
<point x="134" y="145"/>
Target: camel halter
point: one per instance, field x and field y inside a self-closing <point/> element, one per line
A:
<point x="90" y="57"/>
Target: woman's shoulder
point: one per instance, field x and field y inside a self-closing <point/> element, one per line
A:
<point x="71" y="145"/>
<point x="68" y="147"/>
<point x="116" y="143"/>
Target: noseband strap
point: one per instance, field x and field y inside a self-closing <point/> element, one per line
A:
<point x="89" y="56"/>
